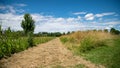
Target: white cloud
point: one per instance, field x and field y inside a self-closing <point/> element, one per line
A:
<point x="113" y="23"/>
<point x="78" y="13"/>
<point x="21" y="5"/>
<point x="20" y="10"/>
<point x="8" y="8"/>
<point x="11" y="20"/>
<point x="43" y="23"/>
<point x="51" y="24"/>
<point x="105" y="14"/>
<point x="89" y="16"/>
<point x="12" y="9"/>
<point x="2" y="7"/>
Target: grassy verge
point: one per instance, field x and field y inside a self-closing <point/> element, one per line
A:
<point x="99" y="48"/>
<point x="76" y="66"/>
<point x="108" y="56"/>
<point x="9" y="46"/>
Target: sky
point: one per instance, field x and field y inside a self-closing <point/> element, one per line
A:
<point x="61" y="15"/>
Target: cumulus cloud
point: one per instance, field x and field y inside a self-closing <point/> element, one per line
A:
<point x="52" y="24"/>
<point x="43" y="23"/>
<point x="2" y="7"/>
<point x="89" y="16"/>
<point x="11" y="20"/>
<point x="113" y="23"/>
<point x="7" y="8"/>
<point x="12" y="9"/>
<point x="78" y="13"/>
<point x="105" y="14"/>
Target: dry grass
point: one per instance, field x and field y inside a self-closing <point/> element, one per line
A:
<point x="85" y="40"/>
<point x="98" y="47"/>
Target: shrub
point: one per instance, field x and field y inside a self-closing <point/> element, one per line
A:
<point x="30" y="39"/>
<point x="86" y="44"/>
<point x="64" y="39"/>
<point x="114" y="31"/>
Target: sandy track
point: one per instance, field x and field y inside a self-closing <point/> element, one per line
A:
<point x="45" y="55"/>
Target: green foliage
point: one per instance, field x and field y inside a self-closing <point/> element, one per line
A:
<point x="79" y="66"/>
<point x="105" y="30"/>
<point x="0" y="30"/>
<point x="11" y="42"/>
<point x="28" y="24"/>
<point x="39" y="40"/>
<point x="30" y="39"/>
<point x="44" y="34"/>
<point x="97" y="48"/>
<point x="114" y="31"/>
<point x="68" y="32"/>
<point x="28" y="27"/>
<point x="86" y="44"/>
<point x="11" y="45"/>
<point x="64" y="39"/>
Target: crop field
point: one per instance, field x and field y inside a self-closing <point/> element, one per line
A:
<point x="11" y="45"/>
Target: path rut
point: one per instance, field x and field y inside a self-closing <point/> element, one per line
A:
<point x="45" y="55"/>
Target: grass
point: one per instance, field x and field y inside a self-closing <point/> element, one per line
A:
<point x="9" y="46"/>
<point x="79" y="66"/>
<point x="58" y="66"/>
<point x="85" y="41"/>
<point x="109" y="56"/>
<point x="76" y="66"/>
<point x="97" y="47"/>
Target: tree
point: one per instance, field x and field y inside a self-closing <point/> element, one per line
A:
<point x="0" y="30"/>
<point x="63" y="33"/>
<point x="28" y="26"/>
<point x="106" y="30"/>
<point x="68" y="32"/>
<point x="114" y="31"/>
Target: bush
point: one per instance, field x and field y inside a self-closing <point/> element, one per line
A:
<point x="90" y="43"/>
<point x="64" y="39"/>
<point x="86" y="44"/>
<point x="30" y="41"/>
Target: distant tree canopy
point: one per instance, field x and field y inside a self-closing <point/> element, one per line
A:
<point x="68" y="32"/>
<point x="28" y="24"/>
<point x="105" y="30"/>
<point x="114" y="31"/>
<point x="53" y="34"/>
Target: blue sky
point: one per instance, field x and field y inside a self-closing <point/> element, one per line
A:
<point x="61" y="15"/>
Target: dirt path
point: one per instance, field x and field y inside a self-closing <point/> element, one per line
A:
<point x="45" y="55"/>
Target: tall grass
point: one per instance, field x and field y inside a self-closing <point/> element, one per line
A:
<point x="86" y="41"/>
<point x="98" y="47"/>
